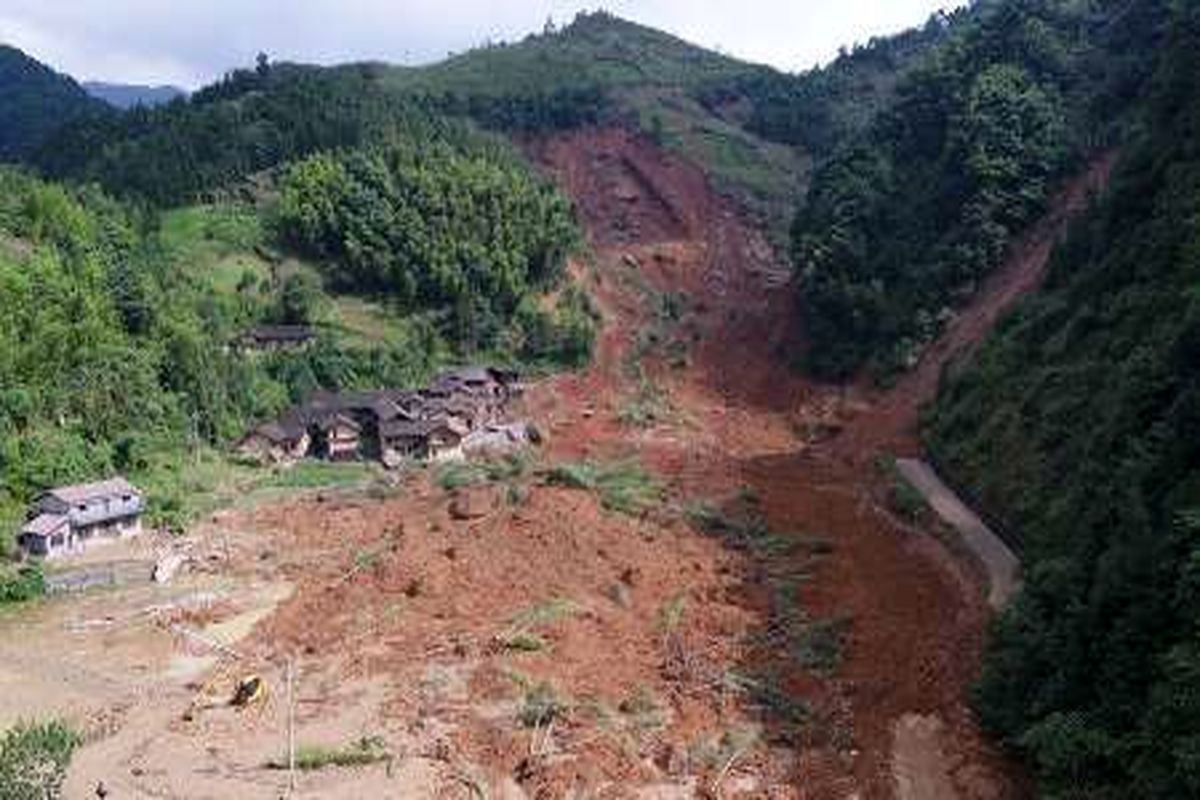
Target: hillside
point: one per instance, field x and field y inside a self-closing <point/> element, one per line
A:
<point x="128" y="95"/>
<point x="1076" y="428"/>
<point x="596" y="204"/>
<point x="755" y="131"/>
<point x="34" y="102"/>
<point x="907" y="218"/>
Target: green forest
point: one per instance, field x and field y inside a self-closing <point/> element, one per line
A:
<point x="904" y="220"/>
<point x="1077" y="428"/>
<point x="116" y="355"/>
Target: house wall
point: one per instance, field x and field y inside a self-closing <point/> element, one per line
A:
<point x="343" y="446"/>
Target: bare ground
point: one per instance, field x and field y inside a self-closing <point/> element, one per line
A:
<point x="660" y="647"/>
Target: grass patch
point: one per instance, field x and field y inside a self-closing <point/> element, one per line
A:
<point x="362" y="752"/>
<point x="670" y="616"/>
<point x="465" y="474"/>
<point x="34" y="760"/>
<point x="520" y="635"/>
<point x="767" y="692"/>
<point x="623" y="486"/>
<point x="647" y="408"/>
<point x="319" y="475"/>
<point x="818" y="645"/>
<point x="739" y="526"/>
<point x="460" y="475"/>
<point x="540" y="706"/>
<point x="21" y="584"/>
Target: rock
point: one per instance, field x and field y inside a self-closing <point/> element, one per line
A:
<point x="474" y="502"/>
<point x="619" y="593"/>
<point x="167" y="567"/>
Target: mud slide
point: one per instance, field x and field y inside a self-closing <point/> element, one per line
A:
<point x="918" y="613"/>
<point x="543" y="645"/>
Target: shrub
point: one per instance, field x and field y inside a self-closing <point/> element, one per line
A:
<point x="34" y="760"/>
<point x="541" y="706"/>
<point x="622" y="486"/>
<point x="366" y="750"/>
<point x="18" y="586"/>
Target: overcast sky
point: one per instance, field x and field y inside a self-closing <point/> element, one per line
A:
<point x="190" y="43"/>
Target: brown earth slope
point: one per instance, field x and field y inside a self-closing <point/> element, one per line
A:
<point x="520" y="639"/>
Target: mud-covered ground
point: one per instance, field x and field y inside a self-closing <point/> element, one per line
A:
<point x="764" y="627"/>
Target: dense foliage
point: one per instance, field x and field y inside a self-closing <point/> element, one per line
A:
<point x="819" y="109"/>
<point x="249" y="122"/>
<point x="910" y="216"/>
<point x="114" y="351"/>
<point x="34" y="760"/>
<point x="36" y="100"/>
<point x="470" y="234"/>
<point x="1078" y="427"/>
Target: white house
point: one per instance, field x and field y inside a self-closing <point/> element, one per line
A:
<point x="72" y="518"/>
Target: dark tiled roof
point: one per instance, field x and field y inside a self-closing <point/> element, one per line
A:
<point x="280" y="333"/>
<point x="331" y="421"/>
<point x="84" y="492"/>
<point x="44" y="524"/>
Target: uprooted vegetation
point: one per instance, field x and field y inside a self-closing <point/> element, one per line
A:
<point x="783" y="563"/>
<point x="664" y="339"/>
<point x="523" y="635"/>
<point x="362" y="752"/>
<point x="622" y="486"/>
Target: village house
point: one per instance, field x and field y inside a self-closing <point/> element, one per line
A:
<point x="435" y="440"/>
<point x="72" y="518"/>
<point x="274" y="338"/>
<point x="286" y="439"/>
<point x="337" y="437"/>
<point x="389" y="425"/>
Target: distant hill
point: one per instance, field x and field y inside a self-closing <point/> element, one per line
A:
<point x="128" y="95"/>
<point x="755" y="130"/>
<point x="34" y="102"/>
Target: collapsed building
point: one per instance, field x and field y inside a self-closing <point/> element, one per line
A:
<point x="433" y="423"/>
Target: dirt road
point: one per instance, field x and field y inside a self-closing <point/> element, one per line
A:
<point x="993" y="554"/>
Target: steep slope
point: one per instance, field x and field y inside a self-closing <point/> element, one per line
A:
<point x="128" y="95"/>
<point x="907" y="219"/>
<point x="1076" y="428"/>
<point x="34" y="102"/>
<point x="754" y="130"/>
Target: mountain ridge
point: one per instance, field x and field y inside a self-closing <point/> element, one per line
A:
<point x="127" y="95"/>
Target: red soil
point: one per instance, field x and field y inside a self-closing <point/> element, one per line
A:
<point x="435" y="592"/>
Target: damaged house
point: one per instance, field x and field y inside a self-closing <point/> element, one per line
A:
<point x="389" y="425"/>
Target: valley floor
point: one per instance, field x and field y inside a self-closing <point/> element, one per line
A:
<point x="521" y="638"/>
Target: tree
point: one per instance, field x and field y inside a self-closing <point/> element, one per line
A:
<point x="300" y="299"/>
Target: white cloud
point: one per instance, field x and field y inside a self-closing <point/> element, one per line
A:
<point x="152" y="41"/>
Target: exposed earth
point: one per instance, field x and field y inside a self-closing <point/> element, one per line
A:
<point x="518" y="638"/>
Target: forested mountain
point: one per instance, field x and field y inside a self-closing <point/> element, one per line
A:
<point x="115" y="354"/>
<point x="1078" y="427"/>
<point x="250" y="121"/>
<point x="128" y="95"/>
<point x="907" y="218"/>
<point x="755" y="130"/>
<point x="34" y="101"/>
